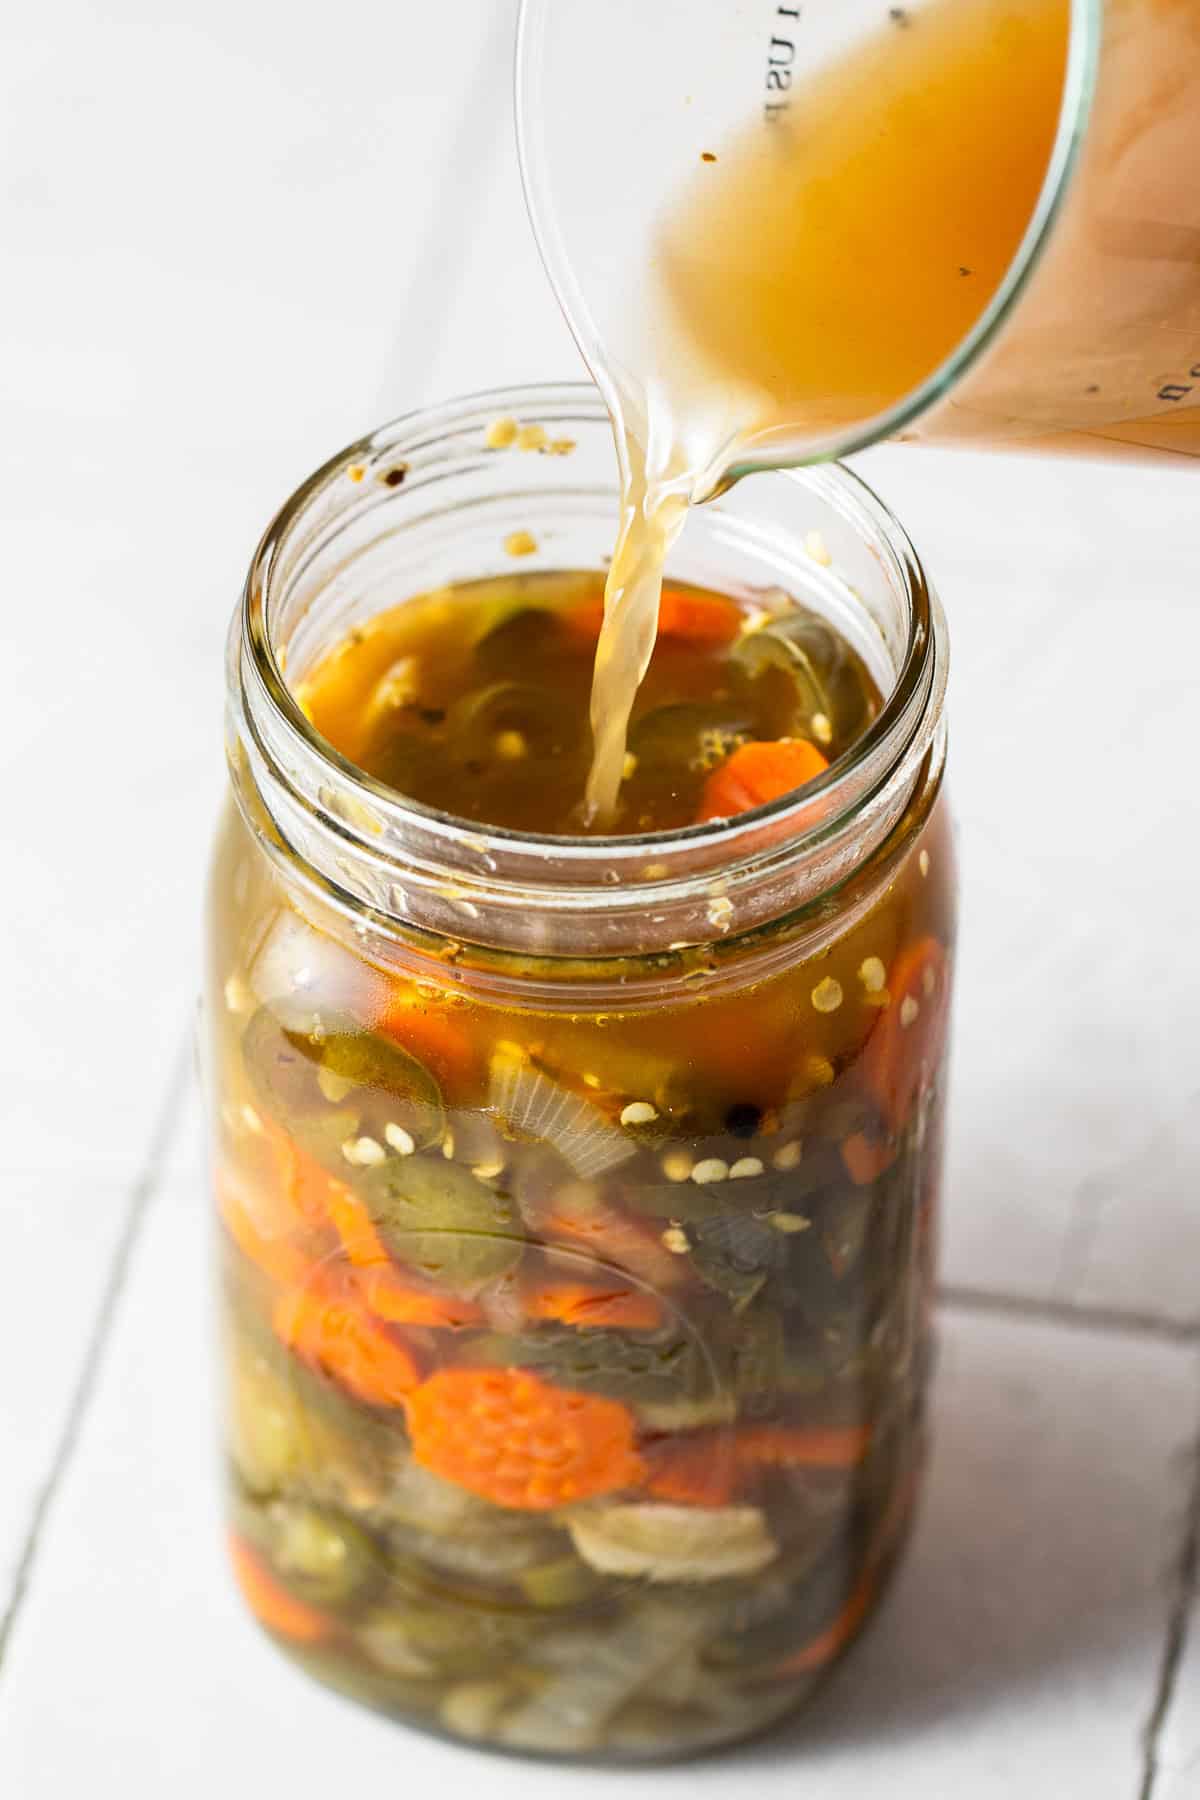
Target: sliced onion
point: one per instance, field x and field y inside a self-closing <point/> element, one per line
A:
<point x="531" y="1103"/>
<point x="673" y="1543"/>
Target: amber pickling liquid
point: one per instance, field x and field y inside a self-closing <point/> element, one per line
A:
<point x="576" y="1324"/>
<point x="829" y="262"/>
<point x="474" y="700"/>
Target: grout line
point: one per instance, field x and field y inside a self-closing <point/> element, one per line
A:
<point x="1185" y="1589"/>
<point x="1079" y="1239"/>
<point x="1062" y="1312"/>
<point x="145" y="1187"/>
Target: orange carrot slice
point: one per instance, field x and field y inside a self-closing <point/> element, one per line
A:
<point x="291" y="1183"/>
<point x="400" y="1302"/>
<point x="803" y="1447"/>
<point x="696" y="1470"/>
<point x="705" y="1468"/>
<point x="585" y="619"/>
<point x="703" y="619"/>
<point x="614" y="1238"/>
<point x="827" y="1644"/>
<point x="698" y="618"/>
<point x="518" y="1441"/>
<point x="575" y="1303"/>
<point x="435" y="1039"/>
<point x="756" y="773"/>
<point x="336" y="1335"/>
<point x="310" y="1187"/>
<point x="866" y="1159"/>
<point x="390" y="1295"/>
<point x="355" y="1227"/>
<point x="277" y="1257"/>
<point x="908" y="1038"/>
<point x="262" y="1179"/>
<point x="270" y="1602"/>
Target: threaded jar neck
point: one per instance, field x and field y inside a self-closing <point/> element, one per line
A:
<point x="425" y="503"/>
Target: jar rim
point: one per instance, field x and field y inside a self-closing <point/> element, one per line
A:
<point x="561" y="870"/>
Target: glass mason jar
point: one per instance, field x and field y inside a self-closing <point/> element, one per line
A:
<point x="577" y="1196"/>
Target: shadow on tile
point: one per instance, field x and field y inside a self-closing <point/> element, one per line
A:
<point x="1036" y="1575"/>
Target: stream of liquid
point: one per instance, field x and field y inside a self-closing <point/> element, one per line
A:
<point x="822" y="268"/>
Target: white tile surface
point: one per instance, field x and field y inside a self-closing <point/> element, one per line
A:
<point x="67" y="1243"/>
<point x="1022" y="1653"/>
<point x="49" y="1307"/>
<point x="1018" y="1647"/>
<point x="391" y="263"/>
<point x="185" y="329"/>
<point x="234" y="237"/>
<point x="1139" y="1243"/>
<point x="1075" y="1144"/>
<point x="228" y="213"/>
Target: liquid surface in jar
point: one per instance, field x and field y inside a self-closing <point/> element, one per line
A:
<point x="474" y="701"/>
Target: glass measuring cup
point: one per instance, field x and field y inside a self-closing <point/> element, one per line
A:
<point x="1088" y="339"/>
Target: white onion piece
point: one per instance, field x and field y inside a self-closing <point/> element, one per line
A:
<point x="673" y="1543"/>
<point x="532" y="1103"/>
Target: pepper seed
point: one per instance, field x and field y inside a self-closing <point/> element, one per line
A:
<point x="639" y="1112"/>
<point x="872" y="974"/>
<point x="745" y="1167"/>
<point x="827" y="995"/>
<point x="363" y="1152"/>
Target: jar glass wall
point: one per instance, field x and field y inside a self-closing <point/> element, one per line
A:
<point x="577" y="1196"/>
